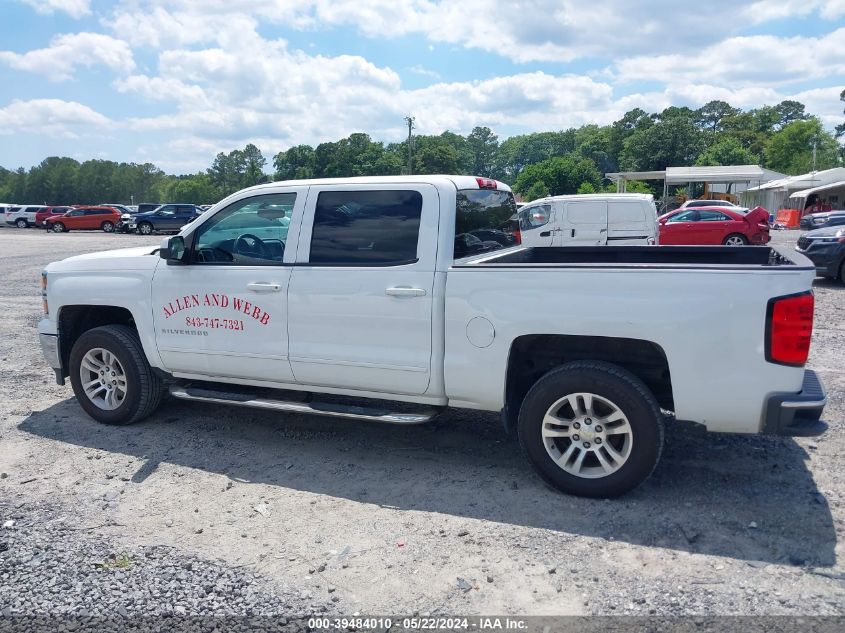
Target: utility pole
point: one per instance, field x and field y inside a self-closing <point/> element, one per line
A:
<point x="410" y="121"/>
<point x="814" y="156"/>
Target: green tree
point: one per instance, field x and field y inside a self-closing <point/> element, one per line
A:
<point x="711" y="115"/>
<point x="840" y="129"/>
<point x="297" y="163"/>
<point x="536" y="191"/>
<point x="254" y="163"/>
<point x="482" y="144"/>
<point x="561" y="175"/>
<point x="673" y="141"/>
<point x="726" y="151"/>
<point x="790" y="150"/>
<point x="518" y="151"/>
<point x="789" y="111"/>
<point x="435" y="155"/>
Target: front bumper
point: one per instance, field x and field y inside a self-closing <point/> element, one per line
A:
<point x="826" y="257"/>
<point x="797" y="414"/>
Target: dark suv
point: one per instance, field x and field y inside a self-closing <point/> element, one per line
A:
<point x="823" y="220"/>
<point x="826" y="248"/>
<point x="167" y="217"/>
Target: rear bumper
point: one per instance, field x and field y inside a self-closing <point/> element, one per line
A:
<point x="797" y="414"/>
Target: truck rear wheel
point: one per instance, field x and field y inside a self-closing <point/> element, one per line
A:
<point x="591" y="429"/>
<point x="111" y="377"/>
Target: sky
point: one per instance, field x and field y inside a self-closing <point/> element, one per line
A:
<point x="174" y="82"/>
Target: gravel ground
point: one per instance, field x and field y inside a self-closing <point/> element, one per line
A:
<point x="294" y="514"/>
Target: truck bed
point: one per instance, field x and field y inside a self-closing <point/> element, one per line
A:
<point x="716" y="257"/>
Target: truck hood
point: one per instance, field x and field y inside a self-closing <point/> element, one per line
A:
<point x="828" y="231"/>
<point x="137" y="258"/>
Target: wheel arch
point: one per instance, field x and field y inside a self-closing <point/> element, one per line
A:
<point x="75" y="320"/>
<point x="534" y="355"/>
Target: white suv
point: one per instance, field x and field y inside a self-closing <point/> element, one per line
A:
<point x="23" y="217"/>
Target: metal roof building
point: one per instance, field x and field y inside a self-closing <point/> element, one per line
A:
<point x="738" y="177"/>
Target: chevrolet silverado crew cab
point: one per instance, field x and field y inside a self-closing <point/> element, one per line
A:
<point x="288" y="291"/>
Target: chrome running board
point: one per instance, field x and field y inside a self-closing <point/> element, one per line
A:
<point x="195" y="394"/>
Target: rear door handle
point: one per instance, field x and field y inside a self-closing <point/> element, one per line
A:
<point x="404" y="291"/>
<point x="546" y="234"/>
<point x="260" y="286"/>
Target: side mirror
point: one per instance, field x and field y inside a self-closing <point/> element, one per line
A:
<point x="173" y="249"/>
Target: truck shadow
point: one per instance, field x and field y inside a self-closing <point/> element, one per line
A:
<point x="749" y="498"/>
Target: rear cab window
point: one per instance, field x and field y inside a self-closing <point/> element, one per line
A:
<point x="366" y="228"/>
<point x="479" y="211"/>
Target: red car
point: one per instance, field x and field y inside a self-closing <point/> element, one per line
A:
<point x="49" y="212"/>
<point x="730" y="226"/>
<point x="97" y="218"/>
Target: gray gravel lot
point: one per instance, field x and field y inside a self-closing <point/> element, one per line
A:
<point x="356" y="517"/>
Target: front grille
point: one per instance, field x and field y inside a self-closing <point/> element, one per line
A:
<point x="803" y="243"/>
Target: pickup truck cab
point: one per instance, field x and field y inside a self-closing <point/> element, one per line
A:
<point x="589" y="220"/>
<point x="287" y="291"/>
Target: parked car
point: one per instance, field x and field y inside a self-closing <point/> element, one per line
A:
<point x="167" y="217"/>
<point x="23" y="216"/>
<point x="122" y="208"/>
<point x="468" y="244"/>
<point x="145" y="207"/>
<point x="589" y="220"/>
<point x="714" y="225"/>
<point x="495" y="235"/>
<point x="49" y="212"/>
<point x="822" y="220"/>
<point x="826" y="249"/>
<point x="7" y="213"/>
<point x="577" y="349"/>
<point x="84" y="218"/>
<point x="692" y="204"/>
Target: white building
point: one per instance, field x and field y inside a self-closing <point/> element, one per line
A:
<point x="798" y="192"/>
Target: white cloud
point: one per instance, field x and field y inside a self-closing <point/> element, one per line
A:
<point x="530" y="30"/>
<point x="50" y="117"/>
<point x="766" y="10"/>
<point x="58" y="61"/>
<point x="750" y="60"/>
<point x="74" y="8"/>
<point x="422" y="71"/>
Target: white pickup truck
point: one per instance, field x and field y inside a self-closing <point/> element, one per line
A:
<point x="368" y="288"/>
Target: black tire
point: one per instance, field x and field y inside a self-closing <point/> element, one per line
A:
<point x="741" y="237"/>
<point x="108" y="227"/>
<point x="144" y="388"/>
<point x="608" y="381"/>
<point x="842" y="272"/>
<point x="21" y="223"/>
<point x="145" y="228"/>
<point x="58" y="227"/>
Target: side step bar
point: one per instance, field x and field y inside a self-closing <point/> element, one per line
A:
<point x="195" y="394"/>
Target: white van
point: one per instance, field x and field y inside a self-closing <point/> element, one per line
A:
<point x="616" y="219"/>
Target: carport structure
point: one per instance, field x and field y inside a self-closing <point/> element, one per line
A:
<point x="733" y="177"/>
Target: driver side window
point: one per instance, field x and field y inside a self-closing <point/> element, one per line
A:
<point x="249" y="232"/>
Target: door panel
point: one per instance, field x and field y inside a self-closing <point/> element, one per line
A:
<point x="582" y="223"/>
<point x="225" y="312"/>
<point x="360" y="297"/>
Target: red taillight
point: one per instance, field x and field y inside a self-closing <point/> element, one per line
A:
<point x="789" y="328"/>
<point x="517" y="236"/>
<point x="486" y="183"/>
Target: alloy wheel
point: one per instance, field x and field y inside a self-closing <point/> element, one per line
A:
<point x="587" y="435"/>
<point x="103" y="379"/>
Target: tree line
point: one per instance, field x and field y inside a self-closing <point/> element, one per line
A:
<point x="783" y="137"/>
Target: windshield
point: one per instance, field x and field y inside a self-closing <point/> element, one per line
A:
<point x="485" y="220"/>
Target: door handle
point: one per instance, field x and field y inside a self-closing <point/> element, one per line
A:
<point x="260" y="286"/>
<point x="546" y="234"/>
<point x="404" y="291"/>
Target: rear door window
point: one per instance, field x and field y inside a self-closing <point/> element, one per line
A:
<point x="478" y="209"/>
<point x="361" y="228"/>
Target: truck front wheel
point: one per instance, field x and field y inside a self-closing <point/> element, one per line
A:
<point x="111" y="377"/>
<point x="591" y="429"/>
